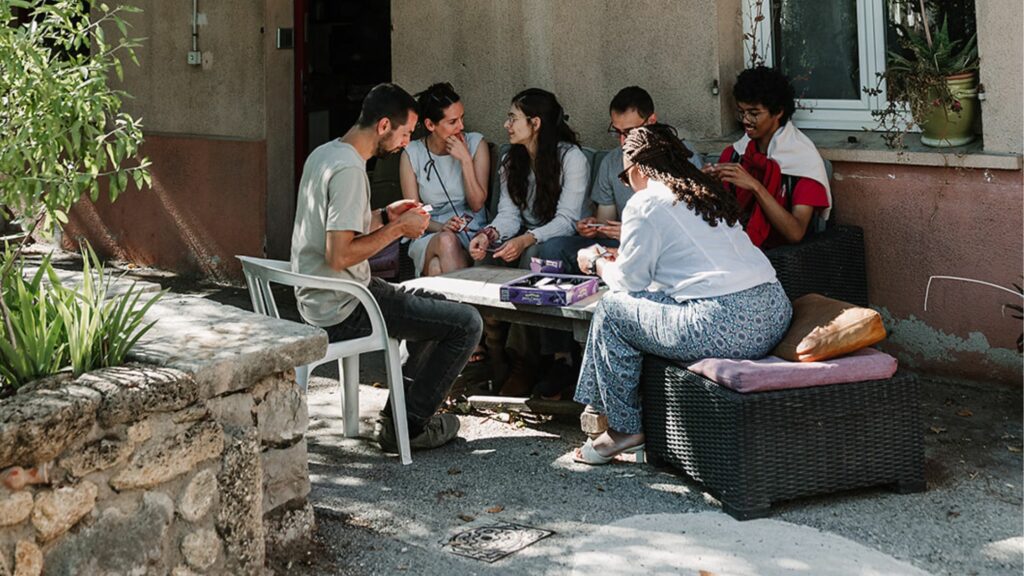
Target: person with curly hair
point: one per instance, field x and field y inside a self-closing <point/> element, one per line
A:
<point x="686" y="283"/>
<point x="774" y="170"/>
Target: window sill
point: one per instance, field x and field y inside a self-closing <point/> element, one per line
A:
<point x="870" y="148"/>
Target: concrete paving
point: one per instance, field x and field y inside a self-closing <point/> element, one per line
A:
<point x="378" y="517"/>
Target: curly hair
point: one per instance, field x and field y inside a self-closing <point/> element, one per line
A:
<point x="768" y="87"/>
<point x="657" y="152"/>
<point x="547" y="166"/>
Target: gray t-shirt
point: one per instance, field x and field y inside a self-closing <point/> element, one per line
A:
<point x="609" y="190"/>
<point x="334" y="194"/>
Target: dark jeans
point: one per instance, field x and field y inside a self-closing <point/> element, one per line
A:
<point x="439" y="334"/>
<point x="565" y="248"/>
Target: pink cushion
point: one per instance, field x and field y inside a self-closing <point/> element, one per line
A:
<point x="774" y="373"/>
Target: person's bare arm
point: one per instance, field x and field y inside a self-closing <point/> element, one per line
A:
<point x="345" y="248"/>
<point x="791" y="225"/>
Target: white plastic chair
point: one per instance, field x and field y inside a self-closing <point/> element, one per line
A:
<point x="261" y="272"/>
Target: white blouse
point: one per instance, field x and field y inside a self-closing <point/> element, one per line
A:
<point x="667" y="247"/>
<point x="575" y="175"/>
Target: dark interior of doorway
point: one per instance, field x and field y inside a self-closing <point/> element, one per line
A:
<point x="346" y="50"/>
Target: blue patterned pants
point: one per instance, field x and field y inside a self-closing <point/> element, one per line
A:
<point x="626" y="325"/>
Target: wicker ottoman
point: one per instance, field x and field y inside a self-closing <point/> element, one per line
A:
<point x="750" y="450"/>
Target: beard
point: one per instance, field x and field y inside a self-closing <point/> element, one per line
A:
<point x="384" y="148"/>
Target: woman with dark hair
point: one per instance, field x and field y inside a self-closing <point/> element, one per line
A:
<point x="447" y="169"/>
<point x="686" y="283"/>
<point x="543" y="179"/>
<point x="774" y="170"/>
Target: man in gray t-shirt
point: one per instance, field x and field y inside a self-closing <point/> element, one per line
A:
<point x="335" y="233"/>
<point x="631" y="107"/>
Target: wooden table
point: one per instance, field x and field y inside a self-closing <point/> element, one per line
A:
<point x="480" y="287"/>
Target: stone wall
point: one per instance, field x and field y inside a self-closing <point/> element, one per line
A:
<point x="190" y="461"/>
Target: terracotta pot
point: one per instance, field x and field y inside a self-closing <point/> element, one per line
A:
<point x="945" y="128"/>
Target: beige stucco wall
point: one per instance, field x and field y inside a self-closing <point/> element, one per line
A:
<point x="225" y="97"/>
<point x="582" y="50"/>
<point x="1002" y="72"/>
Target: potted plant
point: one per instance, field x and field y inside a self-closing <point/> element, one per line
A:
<point x="934" y="76"/>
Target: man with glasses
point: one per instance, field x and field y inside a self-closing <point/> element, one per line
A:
<point x="631" y="107"/>
<point x="775" y="170"/>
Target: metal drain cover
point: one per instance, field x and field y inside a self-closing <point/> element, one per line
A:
<point x="495" y="541"/>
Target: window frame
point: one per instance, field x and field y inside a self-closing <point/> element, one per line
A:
<point x="828" y="113"/>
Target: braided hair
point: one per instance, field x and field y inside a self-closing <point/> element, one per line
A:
<point x="657" y="153"/>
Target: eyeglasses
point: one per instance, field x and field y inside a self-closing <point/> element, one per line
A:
<point x="624" y="177"/>
<point x="742" y="115"/>
<point x="624" y="133"/>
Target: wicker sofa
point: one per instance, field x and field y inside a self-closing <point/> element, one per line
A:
<point x="751" y="450"/>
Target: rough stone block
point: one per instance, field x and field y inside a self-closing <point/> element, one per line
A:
<point x="281" y="415"/>
<point x="201" y="549"/>
<point x="183" y="570"/>
<point x="171" y="457"/>
<point x="131" y="392"/>
<point x="37" y="426"/>
<point x="14" y="507"/>
<point x="285" y="475"/>
<point x="593" y="424"/>
<point x="198" y="496"/>
<point x="289" y="532"/>
<point x="223" y="347"/>
<point x="239" y="518"/>
<point x="58" y="510"/>
<point x="28" y="559"/>
<point x="233" y="409"/>
<point x="100" y="455"/>
<point x="118" y="542"/>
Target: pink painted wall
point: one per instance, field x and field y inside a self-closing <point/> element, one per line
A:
<point x="922" y="221"/>
<point x="207" y="204"/>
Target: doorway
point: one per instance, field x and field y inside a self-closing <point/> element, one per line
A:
<point x="343" y="49"/>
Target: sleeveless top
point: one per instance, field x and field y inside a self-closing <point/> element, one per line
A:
<point x="449" y="171"/>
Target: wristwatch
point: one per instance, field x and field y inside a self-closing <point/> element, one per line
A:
<point x="593" y="261"/>
<point x="384" y="218"/>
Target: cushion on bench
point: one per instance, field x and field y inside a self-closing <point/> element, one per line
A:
<point x="774" y="373"/>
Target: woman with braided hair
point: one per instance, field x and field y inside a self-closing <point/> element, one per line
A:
<point x="686" y="283"/>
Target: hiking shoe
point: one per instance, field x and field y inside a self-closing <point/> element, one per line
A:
<point x="438" y="431"/>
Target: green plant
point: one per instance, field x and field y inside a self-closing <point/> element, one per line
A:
<point x="915" y="77"/>
<point x="39" y="345"/>
<point x="101" y="329"/>
<point x="57" y="326"/>
<point x="62" y="131"/>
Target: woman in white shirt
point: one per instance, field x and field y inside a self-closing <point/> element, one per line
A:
<point x="447" y="169"/>
<point x="686" y="283"/>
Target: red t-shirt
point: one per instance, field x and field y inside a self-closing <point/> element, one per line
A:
<point x="805" y="192"/>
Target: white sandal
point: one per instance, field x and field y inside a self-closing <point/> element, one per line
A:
<point x="589" y="455"/>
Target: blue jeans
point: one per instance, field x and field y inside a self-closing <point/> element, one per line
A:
<point x="565" y="248"/>
<point x="627" y="325"/>
<point x="439" y="334"/>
